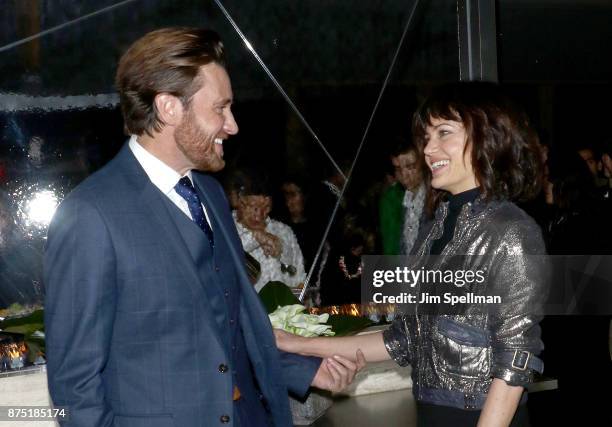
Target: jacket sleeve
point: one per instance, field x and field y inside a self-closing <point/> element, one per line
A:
<point x="79" y="278"/>
<point x="298" y="372"/>
<point x="397" y="341"/>
<point x="521" y="275"/>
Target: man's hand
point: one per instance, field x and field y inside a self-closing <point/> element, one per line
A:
<point x="336" y="373"/>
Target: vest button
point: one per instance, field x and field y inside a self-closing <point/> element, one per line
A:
<point x="226" y="294"/>
<point x="217" y="269"/>
<point x="224" y="419"/>
<point x="223" y="368"/>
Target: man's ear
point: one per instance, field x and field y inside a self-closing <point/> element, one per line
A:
<point x="169" y="109"/>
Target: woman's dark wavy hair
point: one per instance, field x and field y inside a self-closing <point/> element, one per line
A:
<point x="506" y="155"/>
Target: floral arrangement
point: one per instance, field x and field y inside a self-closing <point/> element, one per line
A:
<point x="286" y="312"/>
<point x="291" y="318"/>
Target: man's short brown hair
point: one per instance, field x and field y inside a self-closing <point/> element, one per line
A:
<point x="163" y="61"/>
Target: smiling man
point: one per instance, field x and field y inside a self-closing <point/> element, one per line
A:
<point x="150" y="318"/>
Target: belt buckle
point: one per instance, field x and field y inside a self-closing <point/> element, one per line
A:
<point x="524" y="367"/>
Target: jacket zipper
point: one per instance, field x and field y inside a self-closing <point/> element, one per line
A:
<point x="426" y="247"/>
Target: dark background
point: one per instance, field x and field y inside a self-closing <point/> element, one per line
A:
<point x="331" y="58"/>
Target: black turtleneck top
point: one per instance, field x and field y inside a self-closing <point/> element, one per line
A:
<point x="455" y="203"/>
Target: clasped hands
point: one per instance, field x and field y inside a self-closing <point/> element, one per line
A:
<point x="335" y="373"/>
<point x="271" y="245"/>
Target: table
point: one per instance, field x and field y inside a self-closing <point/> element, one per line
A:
<point x="389" y="409"/>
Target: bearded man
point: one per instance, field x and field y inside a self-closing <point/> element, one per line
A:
<point x="150" y="317"/>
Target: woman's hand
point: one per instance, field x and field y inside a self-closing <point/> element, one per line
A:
<point x="337" y="372"/>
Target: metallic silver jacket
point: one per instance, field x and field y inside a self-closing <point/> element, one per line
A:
<point x="455" y="357"/>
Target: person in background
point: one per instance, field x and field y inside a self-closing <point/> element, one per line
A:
<point x="588" y="156"/>
<point x="541" y="208"/>
<point x="606" y="170"/>
<point x="341" y="275"/>
<point x="270" y="242"/>
<point x="401" y="205"/>
<point x="297" y="201"/>
<point x="593" y="160"/>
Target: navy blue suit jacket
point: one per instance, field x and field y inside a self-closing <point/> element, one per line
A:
<point x="131" y="340"/>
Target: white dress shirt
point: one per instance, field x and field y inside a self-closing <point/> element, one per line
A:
<point x="162" y="176"/>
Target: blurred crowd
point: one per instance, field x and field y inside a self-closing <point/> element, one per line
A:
<point x="282" y="224"/>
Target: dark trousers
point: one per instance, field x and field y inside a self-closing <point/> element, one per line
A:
<point x="445" y="416"/>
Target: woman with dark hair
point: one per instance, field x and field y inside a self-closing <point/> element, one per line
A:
<point x="297" y="201"/>
<point x="470" y="367"/>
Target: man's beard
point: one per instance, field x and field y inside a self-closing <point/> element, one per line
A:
<point x="197" y="146"/>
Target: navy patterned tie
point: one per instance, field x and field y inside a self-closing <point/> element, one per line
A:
<point x="185" y="189"/>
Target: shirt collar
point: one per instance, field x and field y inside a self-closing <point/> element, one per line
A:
<point x="456" y="201"/>
<point x="412" y="194"/>
<point x="412" y="199"/>
<point x="160" y="174"/>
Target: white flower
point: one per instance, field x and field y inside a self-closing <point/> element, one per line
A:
<point x="291" y="318"/>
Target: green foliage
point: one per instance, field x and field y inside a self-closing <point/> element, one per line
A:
<point x="15" y="308"/>
<point x="344" y="325"/>
<point x="275" y="294"/>
<point x="28" y="329"/>
<point x="36" y="317"/>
